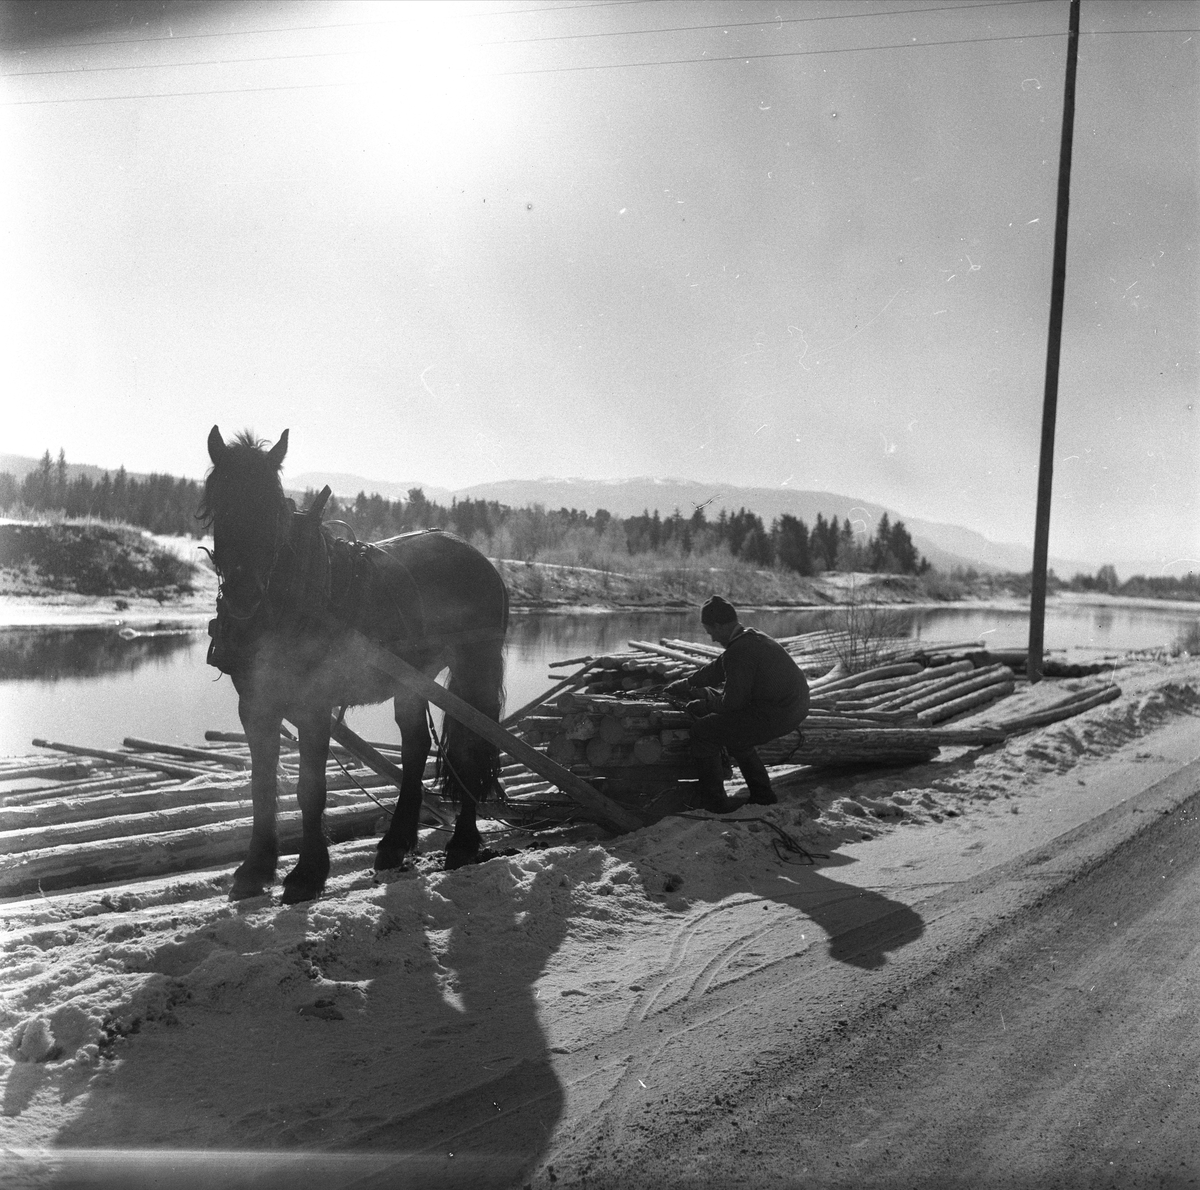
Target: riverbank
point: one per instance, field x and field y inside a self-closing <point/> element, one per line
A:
<point x="62" y="600"/>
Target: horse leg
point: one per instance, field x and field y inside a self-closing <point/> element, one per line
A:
<point x="401" y="835"/>
<point x="472" y="764"/>
<point x="306" y="880"/>
<point x="466" y="842"/>
<point x="256" y="872"/>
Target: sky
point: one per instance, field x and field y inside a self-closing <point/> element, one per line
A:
<point x="753" y="243"/>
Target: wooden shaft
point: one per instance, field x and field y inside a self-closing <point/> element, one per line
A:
<point x="602" y="809"/>
<point x="357" y="746"/>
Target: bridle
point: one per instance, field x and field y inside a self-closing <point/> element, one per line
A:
<point x="262" y="589"/>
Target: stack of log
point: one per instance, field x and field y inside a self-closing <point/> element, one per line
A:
<point x="898" y="712"/>
<point x="91" y="815"/>
<point x="614" y="728"/>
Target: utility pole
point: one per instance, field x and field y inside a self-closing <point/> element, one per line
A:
<point x="1058" y="284"/>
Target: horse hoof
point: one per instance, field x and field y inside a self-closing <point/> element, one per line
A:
<point x="296" y="893"/>
<point x="460" y="859"/>
<point x="389" y="860"/>
<point x="243" y="889"/>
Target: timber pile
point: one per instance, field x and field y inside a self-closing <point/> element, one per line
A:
<point x="155" y="809"/>
<point x="898" y="712"/>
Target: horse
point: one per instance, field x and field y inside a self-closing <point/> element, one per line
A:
<point x="299" y="610"/>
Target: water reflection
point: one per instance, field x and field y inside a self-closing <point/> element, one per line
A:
<point x="30" y="654"/>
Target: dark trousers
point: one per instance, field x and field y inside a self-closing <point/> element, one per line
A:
<point x="738" y="733"/>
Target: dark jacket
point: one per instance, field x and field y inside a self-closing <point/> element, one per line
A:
<point x="757" y="675"/>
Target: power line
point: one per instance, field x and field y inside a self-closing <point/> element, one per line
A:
<point x="20" y="74"/>
<point x="845" y="16"/>
<point x="904" y="45"/>
<point x="517" y="41"/>
<point x="913" y="45"/>
<point x="79" y="45"/>
<point x="520" y="41"/>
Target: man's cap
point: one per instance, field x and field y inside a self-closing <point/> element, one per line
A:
<point x="717" y="611"/>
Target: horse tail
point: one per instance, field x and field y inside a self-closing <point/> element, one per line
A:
<point x="470" y="765"/>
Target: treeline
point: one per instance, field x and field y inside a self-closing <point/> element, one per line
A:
<point x="160" y="503"/>
<point x="523" y="533"/>
<point x="164" y="504"/>
<point x="1106" y="582"/>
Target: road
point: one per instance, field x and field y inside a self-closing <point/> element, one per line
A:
<point x="1041" y="1032"/>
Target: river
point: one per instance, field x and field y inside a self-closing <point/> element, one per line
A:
<point x="95" y="688"/>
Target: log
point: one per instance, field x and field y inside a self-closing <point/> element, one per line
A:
<point x="648" y="750"/>
<point x="691" y="660"/>
<point x="47" y="770"/>
<point x="290" y="745"/>
<point x="849" y="746"/>
<point x="953" y="687"/>
<point x="123" y="758"/>
<point x="968" y="702"/>
<point x="580" y="726"/>
<point x="706" y="651"/>
<point x="600" y="751"/>
<point x="1076" y="705"/>
<point x="232" y="762"/>
<point x="564" y="750"/>
<point x="876" y="693"/>
<point x="102" y="805"/>
<point x="867" y="675"/>
<point x="141" y="857"/>
<point x="52" y="793"/>
<point x="956" y="737"/>
<point x="541" y="723"/>
<point x="113" y="826"/>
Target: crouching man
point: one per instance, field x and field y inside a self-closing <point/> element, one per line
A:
<point x="753" y="693"/>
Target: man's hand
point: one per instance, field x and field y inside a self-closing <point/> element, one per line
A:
<point x="697" y="708"/>
<point x="679" y="689"/>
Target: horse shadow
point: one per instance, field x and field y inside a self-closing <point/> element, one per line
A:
<point x="862" y="927"/>
<point x="389" y="1045"/>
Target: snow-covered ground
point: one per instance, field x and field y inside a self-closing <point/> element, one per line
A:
<point x="436" y="1013"/>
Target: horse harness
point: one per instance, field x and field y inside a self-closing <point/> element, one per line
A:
<point x="318" y="584"/>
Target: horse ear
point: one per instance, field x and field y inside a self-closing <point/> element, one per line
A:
<point x="318" y="504"/>
<point x="276" y="453"/>
<point x="216" y="444"/>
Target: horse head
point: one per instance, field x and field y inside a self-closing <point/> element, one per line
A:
<point x="248" y="511"/>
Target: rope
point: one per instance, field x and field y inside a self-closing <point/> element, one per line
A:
<point x="784" y="845"/>
<point x="443" y="758"/>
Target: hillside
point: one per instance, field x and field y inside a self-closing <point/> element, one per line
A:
<point x="946" y="546"/>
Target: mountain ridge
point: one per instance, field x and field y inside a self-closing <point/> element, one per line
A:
<point x="946" y="546"/>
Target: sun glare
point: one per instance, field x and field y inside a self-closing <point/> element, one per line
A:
<point x="426" y="81"/>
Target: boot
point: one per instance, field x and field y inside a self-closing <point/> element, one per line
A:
<point x="711" y="786"/>
<point x="757" y="781"/>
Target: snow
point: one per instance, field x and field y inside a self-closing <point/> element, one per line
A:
<point x="385" y="1017"/>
